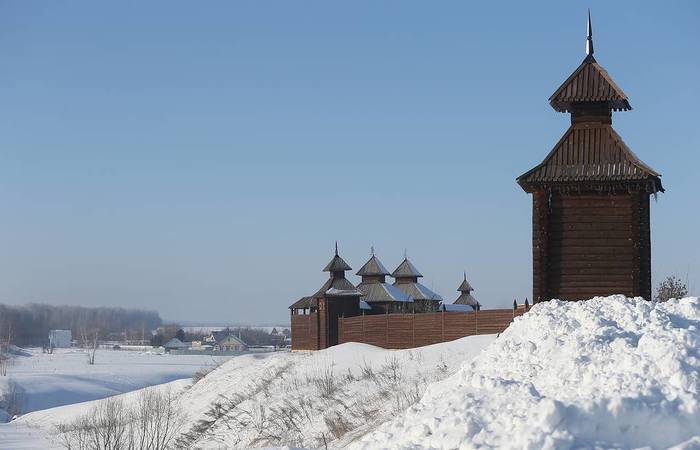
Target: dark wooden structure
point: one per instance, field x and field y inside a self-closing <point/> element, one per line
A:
<point x="590" y="217"/>
<point x="379" y="295"/>
<point x="397" y="331"/>
<point x="406" y="276"/>
<point x="314" y="318"/>
<point x="465" y="297"/>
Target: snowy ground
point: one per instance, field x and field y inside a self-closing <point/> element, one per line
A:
<point x="64" y="377"/>
<point x="288" y="398"/>
<point x="608" y="373"/>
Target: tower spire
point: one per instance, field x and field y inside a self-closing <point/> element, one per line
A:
<point x="589" y="36"/>
<point x="336" y="248"/>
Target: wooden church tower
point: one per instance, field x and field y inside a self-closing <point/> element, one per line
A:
<point x="590" y="215"/>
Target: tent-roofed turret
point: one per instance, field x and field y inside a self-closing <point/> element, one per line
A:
<point x="337" y="264"/>
<point x="373" y="268"/>
<point x="406" y="276"/>
<point x="406" y="270"/>
<point x="590" y="156"/>
<point x="590" y="197"/>
<point x="466" y="297"/>
<point x="589" y="83"/>
<point x="337" y="298"/>
<point x="465" y="286"/>
<point x="376" y="292"/>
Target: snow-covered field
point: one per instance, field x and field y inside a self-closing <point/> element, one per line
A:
<point x="606" y="373"/>
<point x="64" y="377"/>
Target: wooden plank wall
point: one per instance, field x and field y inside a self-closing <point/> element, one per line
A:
<point x="592" y="246"/>
<point x="397" y="331"/>
<point x="305" y="331"/>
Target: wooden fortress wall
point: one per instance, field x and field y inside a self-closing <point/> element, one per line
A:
<point x="305" y="332"/>
<point x="397" y="331"/>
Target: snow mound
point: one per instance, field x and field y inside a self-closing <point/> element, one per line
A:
<point x="611" y="372"/>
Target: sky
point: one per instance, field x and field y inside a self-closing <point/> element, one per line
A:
<point x="201" y="159"/>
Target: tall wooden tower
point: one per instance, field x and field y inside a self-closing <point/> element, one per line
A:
<point x="590" y="216"/>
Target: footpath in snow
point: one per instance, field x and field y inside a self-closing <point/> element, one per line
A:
<point x="610" y="372"/>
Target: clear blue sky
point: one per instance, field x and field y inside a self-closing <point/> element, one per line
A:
<point x="201" y="158"/>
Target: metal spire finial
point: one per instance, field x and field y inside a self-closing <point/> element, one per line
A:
<point x="336" y="248"/>
<point x="405" y="253"/>
<point x="589" y="36"/>
<point x="465" y="275"/>
<point x="371" y="250"/>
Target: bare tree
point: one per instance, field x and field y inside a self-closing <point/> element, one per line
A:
<point x="670" y="287"/>
<point x="90" y="341"/>
<point x="5" y="344"/>
<point x="152" y="423"/>
<point x="12" y="399"/>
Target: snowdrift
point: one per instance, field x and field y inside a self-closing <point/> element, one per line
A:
<point x="307" y="399"/>
<point x="609" y="372"/>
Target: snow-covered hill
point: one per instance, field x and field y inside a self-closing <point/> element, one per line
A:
<point x="303" y="399"/>
<point x="606" y="373"/>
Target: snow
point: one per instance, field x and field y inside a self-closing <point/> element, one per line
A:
<point x="64" y="377"/>
<point x="610" y="372"/>
<point x="606" y="373"/>
<point x="262" y="385"/>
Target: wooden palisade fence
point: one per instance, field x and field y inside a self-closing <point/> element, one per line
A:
<point x="397" y="331"/>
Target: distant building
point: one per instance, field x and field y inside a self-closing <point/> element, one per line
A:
<point x="337" y="297"/>
<point x="378" y="295"/>
<point x="175" y="344"/>
<point x="60" y="338"/>
<point x="225" y="340"/>
<point x="315" y="318"/>
<point x="230" y="343"/>
<point x="424" y="300"/>
<point x="466" y="298"/>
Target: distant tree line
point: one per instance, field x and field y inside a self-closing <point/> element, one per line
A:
<point x="30" y="324"/>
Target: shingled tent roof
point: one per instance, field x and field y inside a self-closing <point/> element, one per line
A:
<point x="465" y="286"/>
<point x="337" y="264"/>
<point x="406" y="270"/>
<point x="373" y="267"/>
<point x="591" y="153"/>
<point x="589" y="83"/>
<point x="466" y="299"/>
<point x="304" y="302"/>
<point x="382" y="292"/>
<point x="418" y="291"/>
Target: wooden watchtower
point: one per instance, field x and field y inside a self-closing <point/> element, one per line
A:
<point x="590" y="216"/>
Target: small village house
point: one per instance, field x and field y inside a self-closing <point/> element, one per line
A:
<point x="175" y="344"/>
<point x="230" y="343"/>
<point x="60" y="338"/>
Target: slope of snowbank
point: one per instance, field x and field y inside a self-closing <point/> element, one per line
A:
<point x="299" y="399"/>
<point x="316" y="399"/>
<point x="610" y="372"/>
